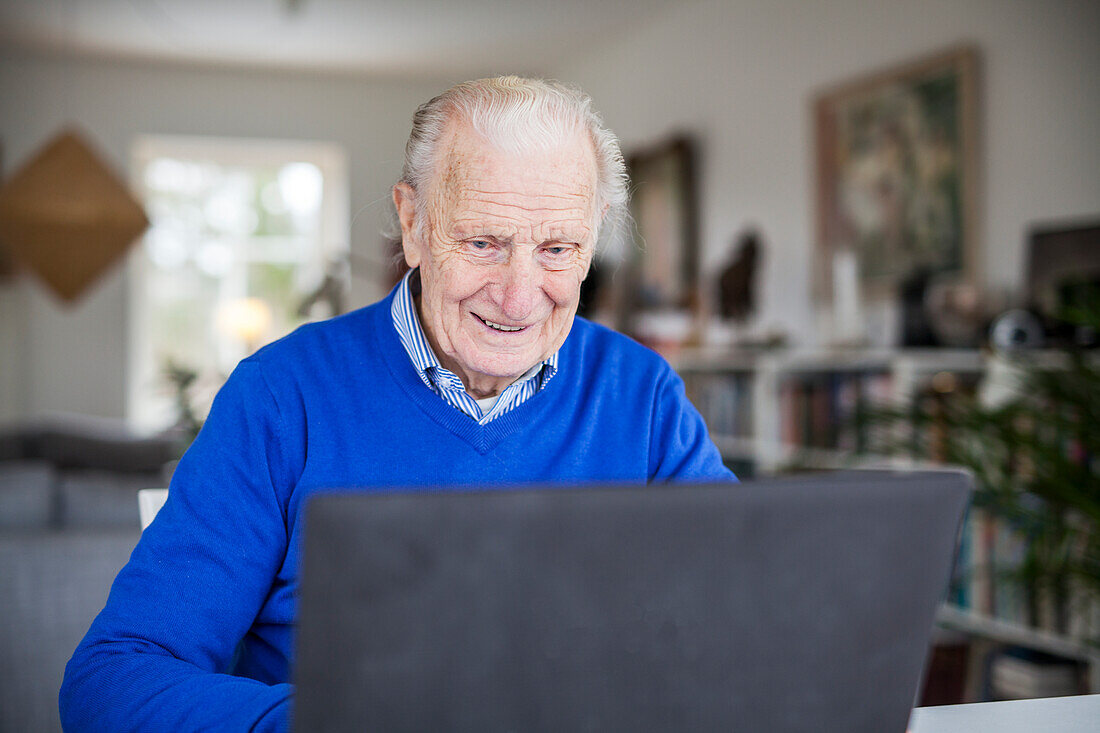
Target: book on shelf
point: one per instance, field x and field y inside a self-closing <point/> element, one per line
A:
<point x="989" y="580"/>
<point x="984" y="568"/>
<point x="1019" y="673"/>
<point x="725" y="401"/>
<point x="819" y="409"/>
<point x="1010" y="593"/>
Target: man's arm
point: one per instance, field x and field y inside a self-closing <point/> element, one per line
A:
<point x="680" y="446"/>
<point x="155" y="658"/>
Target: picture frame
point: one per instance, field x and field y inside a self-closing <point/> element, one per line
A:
<point x="663" y="271"/>
<point x="7" y="264"/>
<point x="896" y="174"/>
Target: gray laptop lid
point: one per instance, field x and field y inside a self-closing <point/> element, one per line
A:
<point x="781" y="605"/>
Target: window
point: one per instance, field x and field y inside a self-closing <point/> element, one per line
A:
<point x="242" y="231"/>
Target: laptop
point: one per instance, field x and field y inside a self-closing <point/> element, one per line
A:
<point x="797" y="604"/>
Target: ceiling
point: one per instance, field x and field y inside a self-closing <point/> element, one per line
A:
<point x="399" y="37"/>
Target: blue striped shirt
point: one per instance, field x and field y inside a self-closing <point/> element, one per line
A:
<point x="446" y="383"/>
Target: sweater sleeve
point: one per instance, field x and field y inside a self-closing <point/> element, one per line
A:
<point x="680" y="447"/>
<point x="157" y="656"/>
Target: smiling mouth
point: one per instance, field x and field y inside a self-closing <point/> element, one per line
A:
<point x="499" y="326"/>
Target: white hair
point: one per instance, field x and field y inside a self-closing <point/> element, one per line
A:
<point x="517" y="114"/>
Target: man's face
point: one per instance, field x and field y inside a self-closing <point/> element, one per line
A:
<point x="509" y="238"/>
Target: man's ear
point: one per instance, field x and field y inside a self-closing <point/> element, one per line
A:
<point x="404" y="200"/>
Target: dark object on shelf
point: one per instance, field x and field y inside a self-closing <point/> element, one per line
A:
<point x="736" y="285"/>
<point x="1063" y="268"/>
<point x="916" y="328"/>
<point x="956" y="312"/>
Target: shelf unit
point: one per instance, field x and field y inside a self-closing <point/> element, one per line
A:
<point x="1005" y="632"/>
<point x="744" y="397"/>
<point x="760" y="436"/>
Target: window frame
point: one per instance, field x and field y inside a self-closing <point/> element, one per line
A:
<point x="334" y="235"/>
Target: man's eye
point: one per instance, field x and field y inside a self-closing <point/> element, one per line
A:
<point x="485" y="251"/>
<point x="558" y="256"/>
<point x="482" y="247"/>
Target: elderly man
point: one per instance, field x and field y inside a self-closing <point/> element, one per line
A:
<point x="473" y="371"/>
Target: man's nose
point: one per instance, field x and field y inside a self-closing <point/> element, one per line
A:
<point x="521" y="282"/>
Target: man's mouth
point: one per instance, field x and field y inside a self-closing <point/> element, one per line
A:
<point x="499" y="326"/>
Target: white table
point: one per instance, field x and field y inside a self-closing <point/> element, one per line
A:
<point x="1079" y="714"/>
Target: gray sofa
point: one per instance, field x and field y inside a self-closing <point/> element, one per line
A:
<point x="68" y="522"/>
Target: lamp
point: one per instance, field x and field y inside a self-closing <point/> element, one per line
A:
<point x="245" y="319"/>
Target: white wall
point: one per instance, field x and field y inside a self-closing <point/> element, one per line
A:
<point x="741" y="73"/>
<point x="71" y="358"/>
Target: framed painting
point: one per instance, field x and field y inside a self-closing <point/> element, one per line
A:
<point x="896" y="173"/>
<point x="7" y="265"/>
<point x="664" y="270"/>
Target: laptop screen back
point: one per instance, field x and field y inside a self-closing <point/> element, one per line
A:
<point x="781" y="605"/>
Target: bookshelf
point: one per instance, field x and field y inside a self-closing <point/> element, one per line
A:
<point x="771" y="412"/>
<point x="774" y="408"/>
<point x="1006" y="632"/>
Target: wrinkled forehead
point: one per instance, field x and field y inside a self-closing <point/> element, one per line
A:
<point x="558" y="175"/>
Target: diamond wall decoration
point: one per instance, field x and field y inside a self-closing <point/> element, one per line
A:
<point x="67" y="217"/>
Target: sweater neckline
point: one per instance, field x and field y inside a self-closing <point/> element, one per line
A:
<point x="483" y="438"/>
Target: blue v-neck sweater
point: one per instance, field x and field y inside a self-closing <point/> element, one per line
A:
<point x="197" y="631"/>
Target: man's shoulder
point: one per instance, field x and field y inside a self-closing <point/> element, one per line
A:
<point x="603" y="347"/>
<point x="347" y="336"/>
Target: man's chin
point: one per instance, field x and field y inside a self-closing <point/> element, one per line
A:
<point x="510" y="368"/>
<point x="511" y="372"/>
